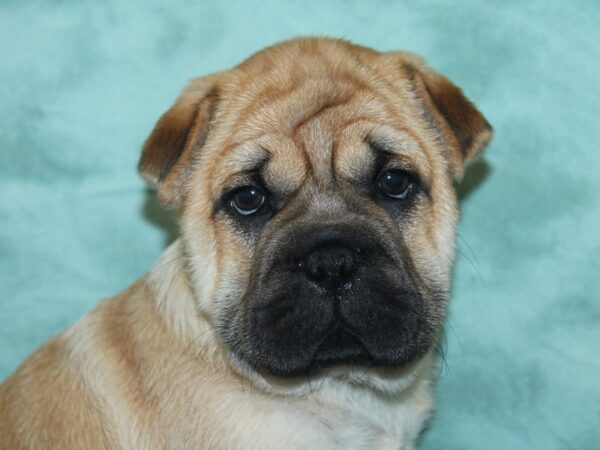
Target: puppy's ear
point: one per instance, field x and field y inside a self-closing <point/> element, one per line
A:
<point x="462" y="129"/>
<point x="166" y="159"/>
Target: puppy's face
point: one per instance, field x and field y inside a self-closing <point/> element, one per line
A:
<point x="318" y="213"/>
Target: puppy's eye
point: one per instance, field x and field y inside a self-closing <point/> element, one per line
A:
<point x="395" y="184"/>
<point x="247" y="200"/>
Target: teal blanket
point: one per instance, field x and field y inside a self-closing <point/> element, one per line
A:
<point x="82" y="83"/>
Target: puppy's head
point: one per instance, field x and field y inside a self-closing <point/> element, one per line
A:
<point x="317" y="206"/>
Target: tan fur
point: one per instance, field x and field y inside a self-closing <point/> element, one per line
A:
<point x="147" y="368"/>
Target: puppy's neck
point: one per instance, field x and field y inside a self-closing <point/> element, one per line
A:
<point x="175" y="301"/>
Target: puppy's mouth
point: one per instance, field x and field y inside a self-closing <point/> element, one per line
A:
<point x="340" y="346"/>
<point x="302" y="335"/>
<point x="306" y="347"/>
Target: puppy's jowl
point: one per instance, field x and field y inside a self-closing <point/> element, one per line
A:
<point x="301" y="304"/>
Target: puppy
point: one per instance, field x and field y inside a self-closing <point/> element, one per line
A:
<point x="301" y="305"/>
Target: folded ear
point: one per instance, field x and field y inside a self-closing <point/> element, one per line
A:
<point x="166" y="159"/>
<point x="461" y="127"/>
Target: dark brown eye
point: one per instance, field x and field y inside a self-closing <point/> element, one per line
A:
<point x="395" y="184"/>
<point x="247" y="200"/>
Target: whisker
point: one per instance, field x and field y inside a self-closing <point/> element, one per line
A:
<point x="474" y="262"/>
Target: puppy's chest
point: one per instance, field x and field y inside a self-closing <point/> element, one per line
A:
<point x="352" y="429"/>
<point x="368" y="423"/>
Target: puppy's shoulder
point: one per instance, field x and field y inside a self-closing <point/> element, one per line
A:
<point x="56" y="390"/>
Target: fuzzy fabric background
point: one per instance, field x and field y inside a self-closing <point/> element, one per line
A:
<point x="82" y="84"/>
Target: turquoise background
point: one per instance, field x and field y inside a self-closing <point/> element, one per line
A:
<point x="82" y="83"/>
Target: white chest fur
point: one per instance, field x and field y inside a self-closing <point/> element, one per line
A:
<point x="337" y="416"/>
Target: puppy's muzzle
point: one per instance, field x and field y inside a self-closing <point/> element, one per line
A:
<point x="334" y="294"/>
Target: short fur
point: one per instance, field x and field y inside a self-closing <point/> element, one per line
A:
<point x="178" y="361"/>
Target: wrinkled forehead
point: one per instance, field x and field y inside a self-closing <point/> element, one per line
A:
<point x="318" y="130"/>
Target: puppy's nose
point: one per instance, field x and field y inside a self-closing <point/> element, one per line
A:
<point x="330" y="265"/>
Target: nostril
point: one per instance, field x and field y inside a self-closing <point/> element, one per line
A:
<point x="314" y="267"/>
<point x="349" y="264"/>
